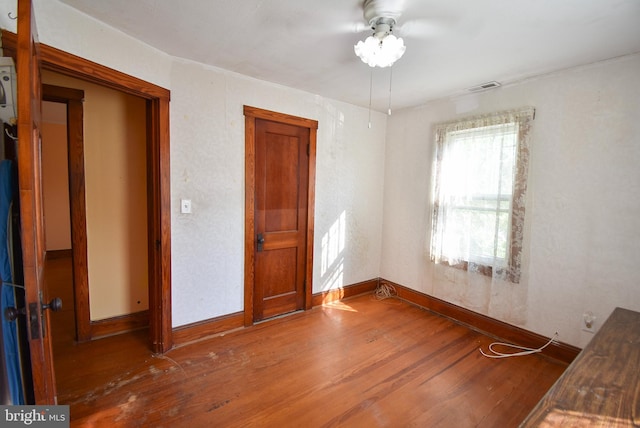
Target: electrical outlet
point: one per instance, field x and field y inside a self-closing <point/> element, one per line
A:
<point x="588" y="322"/>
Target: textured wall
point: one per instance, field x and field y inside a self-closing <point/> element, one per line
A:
<point x="207" y="165"/>
<point x="65" y="28"/>
<point x="582" y="244"/>
<point x="582" y="227"/>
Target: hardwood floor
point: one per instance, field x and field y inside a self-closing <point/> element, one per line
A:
<point x="359" y="363"/>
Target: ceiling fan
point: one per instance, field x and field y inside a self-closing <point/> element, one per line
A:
<point x="382" y="12"/>
<point x="383" y="48"/>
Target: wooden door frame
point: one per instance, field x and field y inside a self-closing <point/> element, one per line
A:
<point x="158" y="172"/>
<point x="73" y="99"/>
<point x="251" y="114"/>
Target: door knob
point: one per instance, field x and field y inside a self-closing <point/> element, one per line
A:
<point x="11" y="313"/>
<point x="260" y="241"/>
<point x="55" y="305"/>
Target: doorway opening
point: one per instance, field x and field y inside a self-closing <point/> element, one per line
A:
<point x="156" y="101"/>
<point x="94" y="191"/>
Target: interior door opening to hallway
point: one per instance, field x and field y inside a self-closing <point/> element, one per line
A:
<point x="107" y="191"/>
<point x="30" y="58"/>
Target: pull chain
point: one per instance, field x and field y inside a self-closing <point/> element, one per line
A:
<point x="390" y="80"/>
<point x="370" y="92"/>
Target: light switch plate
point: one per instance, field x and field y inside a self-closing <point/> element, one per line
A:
<point x="185" y="206"/>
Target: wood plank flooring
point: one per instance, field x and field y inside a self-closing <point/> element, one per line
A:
<point x="359" y="363"/>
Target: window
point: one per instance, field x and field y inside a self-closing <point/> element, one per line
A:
<point x="479" y="193"/>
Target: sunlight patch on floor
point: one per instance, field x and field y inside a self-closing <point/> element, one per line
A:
<point x="340" y="306"/>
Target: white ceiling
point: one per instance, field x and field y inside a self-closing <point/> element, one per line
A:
<point x="308" y="44"/>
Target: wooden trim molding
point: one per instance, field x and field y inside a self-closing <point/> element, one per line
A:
<point x="73" y="99"/>
<point x="59" y="94"/>
<point x="259" y="113"/>
<point x="482" y="323"/>
<point x="159" y="223"/>
<point x="331" y="296"/>
<point x="119" y="325"/>
<point x="71" y="65"/>
<point x="58" y="254"/>
<point x="311" y="204"/>
<point x="194" y="332"/>
<point x="249" y="216"/>
<point x="158" y="167"/>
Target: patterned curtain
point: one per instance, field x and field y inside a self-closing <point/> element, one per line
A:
<point x="479" y="193"/>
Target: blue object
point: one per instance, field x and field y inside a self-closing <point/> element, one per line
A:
<point x="9" y="329"/>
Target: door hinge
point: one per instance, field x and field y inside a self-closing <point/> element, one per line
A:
<point x="308" y="149"/>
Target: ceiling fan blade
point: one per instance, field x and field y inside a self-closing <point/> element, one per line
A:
<point x="359" y="27"/>
<point x="335" y="29"/>
<point x="422" y="28"/>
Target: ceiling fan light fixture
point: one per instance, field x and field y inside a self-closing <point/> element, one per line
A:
<point x="380" y="52"/>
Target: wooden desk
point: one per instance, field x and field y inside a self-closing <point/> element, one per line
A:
<point x="601" y="387"/>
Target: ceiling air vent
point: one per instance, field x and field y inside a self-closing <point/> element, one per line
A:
<point x="484" y="86"/>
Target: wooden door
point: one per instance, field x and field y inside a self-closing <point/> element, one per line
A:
<point x="279" y="217"/>
<point x="31" y="214"/>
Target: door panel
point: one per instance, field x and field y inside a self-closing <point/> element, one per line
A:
<point x="280" y="171"/>
<point x="280" y="217"/>
<point x="277" y="270"/>
<point x="30" y="194"/>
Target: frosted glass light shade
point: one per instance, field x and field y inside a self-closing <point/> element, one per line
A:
<point x="380" y="53"/>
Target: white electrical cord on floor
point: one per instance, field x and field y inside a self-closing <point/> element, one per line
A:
<point x="384" y="291"/>
<point x="523" y="350"/>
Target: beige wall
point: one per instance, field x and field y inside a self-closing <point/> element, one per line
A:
<point x="115" y="179"/>
<point x="55" y="178"/>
